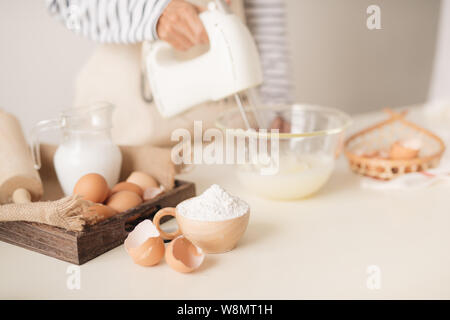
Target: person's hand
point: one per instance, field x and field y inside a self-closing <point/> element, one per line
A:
<point x="181" y="26"/>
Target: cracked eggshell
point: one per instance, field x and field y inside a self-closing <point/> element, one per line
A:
<point x="183" y="256"/>
<point x="152" y="193"/>
<point x="413" y="144"/>
<point x="144" y="244"/>
<point x="406" y="150"/>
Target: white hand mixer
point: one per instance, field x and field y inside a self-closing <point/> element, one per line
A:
<point x="230" y="66"/>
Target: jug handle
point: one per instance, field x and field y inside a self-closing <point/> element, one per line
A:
<point x="40" y="127"/>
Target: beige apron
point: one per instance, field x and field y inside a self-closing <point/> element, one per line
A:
<point x="113" y="73"/>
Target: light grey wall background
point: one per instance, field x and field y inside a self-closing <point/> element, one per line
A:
<point x="337" y="61"/>
<point x="38" y="61"/>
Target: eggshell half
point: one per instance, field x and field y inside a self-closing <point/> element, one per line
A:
<point x="414" y="144"/>
<point x="403" y="151"/>
<point x="127" y="186"/>
<point x="124" y="200"/>
<point x="152" y="193"/>
<point x="183" y="256"/>
<point x="143" y="180"/>
<point x="144" y="244"/>
<point x="92" y="187"/>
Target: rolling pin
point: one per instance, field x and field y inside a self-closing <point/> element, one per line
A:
<point x="19" y="180"/>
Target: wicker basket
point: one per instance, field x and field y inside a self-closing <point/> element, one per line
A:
<point x="363" y="148"/>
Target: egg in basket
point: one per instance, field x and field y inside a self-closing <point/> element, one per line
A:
<point x="392" y="148"/>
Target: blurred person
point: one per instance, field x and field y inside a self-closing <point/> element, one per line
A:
<point x="114" y="72"/>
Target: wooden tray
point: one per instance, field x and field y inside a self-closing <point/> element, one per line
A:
<point x="80" y="247"/>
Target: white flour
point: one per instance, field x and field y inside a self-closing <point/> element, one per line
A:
<point x="215" y="204"/>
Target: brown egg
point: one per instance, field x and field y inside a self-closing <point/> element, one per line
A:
<point x="98" y="213"/>
<point x="183" y="256"/>
<point x="402" y="151"/>
<point x="92" y="187"/>
<point x="144" y="244"/>
<point x="143" y="180"/>
<point x="128" y="186"/>
<point x="124" y="200"/>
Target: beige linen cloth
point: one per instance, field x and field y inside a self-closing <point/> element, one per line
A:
<point x="113" y="74"/>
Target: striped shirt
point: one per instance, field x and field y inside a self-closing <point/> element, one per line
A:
<point x="111" y="21"/>
<point x="131" y="21"/>
<point x="266" y="20"/>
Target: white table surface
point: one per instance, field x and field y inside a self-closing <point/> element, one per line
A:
<point x="315" y="248"/>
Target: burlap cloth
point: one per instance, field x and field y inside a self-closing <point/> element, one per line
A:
<point x="67" y="212"/>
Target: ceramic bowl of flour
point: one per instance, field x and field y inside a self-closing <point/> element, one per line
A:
<point x="214" y="221"/>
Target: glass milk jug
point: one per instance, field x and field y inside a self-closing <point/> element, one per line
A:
<point x="86" y="145"/>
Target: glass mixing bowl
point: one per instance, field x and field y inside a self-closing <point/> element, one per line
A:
<point x="309" y="140"/>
